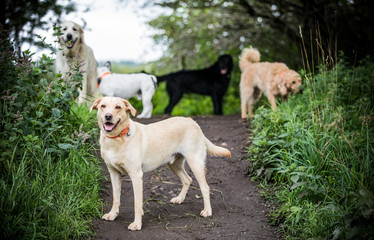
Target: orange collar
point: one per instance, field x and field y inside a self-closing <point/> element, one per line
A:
<point x="101" y="77"/>
<point x="122" y="133"/>
<point x="104" y="74"/>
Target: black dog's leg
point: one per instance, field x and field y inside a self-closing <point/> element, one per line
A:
<point x="174" y="98"/>
<point x="217" y="104"/>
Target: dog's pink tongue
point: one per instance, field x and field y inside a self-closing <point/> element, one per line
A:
<point x="223" y="71"/>
<point x="108" y="126"/>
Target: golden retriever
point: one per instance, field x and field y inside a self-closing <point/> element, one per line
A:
<point x="73" y="50"/>
<point x="273" y="79"/>
<point x="132" y="148"/>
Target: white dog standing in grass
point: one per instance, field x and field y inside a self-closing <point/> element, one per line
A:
<point x="73" y="49"/>
<point x="127" y="86"/>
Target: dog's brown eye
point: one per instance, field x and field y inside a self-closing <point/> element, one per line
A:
<point x="118" y="107"/>
<point x="74" y="29"/>
<point x="103" y="106"/>
<point x="293" y="82"/>
<point x="64" y="29"/>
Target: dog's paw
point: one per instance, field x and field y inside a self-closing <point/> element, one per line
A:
<point x="110" y="216"/>
<point x="177" y="200"/>
<point x="135" y="226"/>
<point x="206" y="213"/>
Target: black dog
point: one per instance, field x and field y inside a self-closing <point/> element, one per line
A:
<point x="212" y="81"/>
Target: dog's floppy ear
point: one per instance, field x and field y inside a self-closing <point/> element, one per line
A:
<point x="129" y="107"/>
<point x="81" y="34"/>
<point x="95" y="104"/>
<point x="282" y="83"/>
<point x="108" y="65"/>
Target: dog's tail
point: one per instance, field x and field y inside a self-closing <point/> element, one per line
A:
<point x="154" y="80"/>
<point x="164" y="78"/>
<point x="216" y="151"/>
<point x="248" y="56"/>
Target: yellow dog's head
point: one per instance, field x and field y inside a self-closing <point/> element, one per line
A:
<point x="113" y="114"/>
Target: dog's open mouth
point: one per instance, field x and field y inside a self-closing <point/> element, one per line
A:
<point x="223" y="71"/>
<point x="109" y="126"/>
<point x="70" y="43"/>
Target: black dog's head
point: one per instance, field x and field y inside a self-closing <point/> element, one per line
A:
<point x="225" y="64"/>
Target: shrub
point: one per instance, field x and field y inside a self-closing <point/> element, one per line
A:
<point x="49" y="179"/>
<point x="318" y="151"/>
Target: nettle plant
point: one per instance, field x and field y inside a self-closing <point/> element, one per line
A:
<point x="35" y="102"/>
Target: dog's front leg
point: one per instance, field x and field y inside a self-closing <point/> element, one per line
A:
<point x="137" y="184"/>
<point x="115" y="178"/>
<point x="271" y="99"/>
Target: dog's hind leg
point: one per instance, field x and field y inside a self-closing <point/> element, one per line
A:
<point x="147" y="104"/>
<point x="197" y="166"/>
<point x="245" y="95"/>
<point x="115" y="178"/>
<point x="253" y="100"/>
<point x="174" y="98"/>
<point x="178" y="169"/>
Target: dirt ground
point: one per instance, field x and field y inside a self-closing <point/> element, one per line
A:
<point x="238" y="210"/>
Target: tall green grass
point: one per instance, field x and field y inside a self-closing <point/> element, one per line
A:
<point x="49" y="177"/>
<point x="317" y="152"/>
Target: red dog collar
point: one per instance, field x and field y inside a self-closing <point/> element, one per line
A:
<point x="101" y="77"/>
<point x="122" y="133"/>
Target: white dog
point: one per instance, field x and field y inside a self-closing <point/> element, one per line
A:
<point x="132" y="148"/>
<point x="73" y="49"/>
<point x="128" y="86"/>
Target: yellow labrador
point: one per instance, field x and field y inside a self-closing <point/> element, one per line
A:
<point x="133" y="148"/>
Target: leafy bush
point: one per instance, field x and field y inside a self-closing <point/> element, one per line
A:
<point x="49" y="179"/>
<point x="318" y="151"/>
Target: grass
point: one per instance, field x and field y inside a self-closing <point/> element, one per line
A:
<point x="317" y="151"/>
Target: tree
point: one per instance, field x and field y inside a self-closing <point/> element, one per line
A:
<point x="22" y="17"/>
<point x="273" y="26"/>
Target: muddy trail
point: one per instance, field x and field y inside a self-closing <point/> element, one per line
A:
<point x="238" y="210"/>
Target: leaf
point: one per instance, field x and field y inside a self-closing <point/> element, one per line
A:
<point x="284" y="135"/>
<point x="297" y="185"/>
<point x="295" y="209"/>
<point x="65" y="146"/>
<point x="56" y="112"/>
<point x="295" y="178"/>
<point x="39" y="114"/>
<point x="50" y="150"/>
<point x="12" y="139"/>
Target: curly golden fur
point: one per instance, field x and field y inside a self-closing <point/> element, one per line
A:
<point x="273" y="79"/>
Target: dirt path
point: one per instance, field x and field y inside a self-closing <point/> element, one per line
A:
<point x="238" y="211"/>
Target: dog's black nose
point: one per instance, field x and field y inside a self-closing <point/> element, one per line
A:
<point x="108" y="116"/>
<point x="69" y="36"/>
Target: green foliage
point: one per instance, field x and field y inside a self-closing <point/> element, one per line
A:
<point x="318" y="149"/>
<point x="191" y="27"/>
<point x="49" y="179"/>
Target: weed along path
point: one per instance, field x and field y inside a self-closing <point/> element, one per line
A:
<point x="238" y="210"/>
